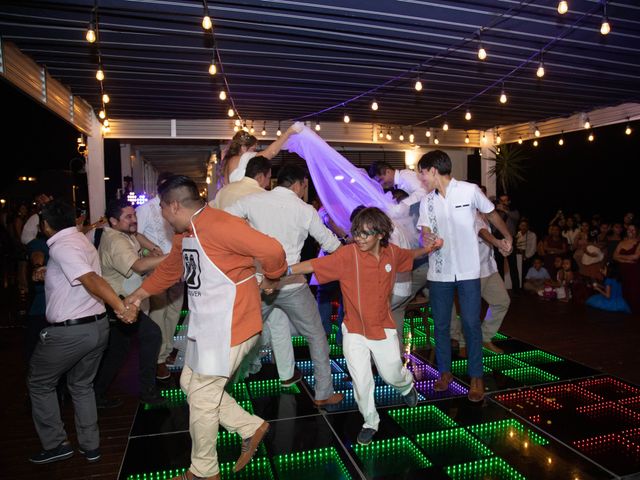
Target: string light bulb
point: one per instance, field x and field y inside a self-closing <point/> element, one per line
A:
<point x="388" y="136"/>
<point x="605" y="26"/>
<point x="91" y="34"/>
<point x="536" y="132"/>
<point x="380" y="132"/>
<point x="535" y="143"/>
<point x="318" y="125"/>
<point x="445" y="126"/>
<point x="587" y="124"/>
<point x="498" y="138"/>
<point x="105" y="122"/>
<point x="627" y="131"/>
<point x="427" y="133"/>
<point x="346" y="118"/>
<point x="435" y="139"/>
<point x="561" y="141"/>
<point x="503" y="96"/>
<point x="100" y="74"/>
<point x="374" y="106"/>
<point x="466" y="138"/>
<point x="418" y="85"/>
<point x="540" y="70"/>
<point x="102" y="114"/>
<point x="222" y="95"/>
<point x="482" y="53"/>
<point x="279" y="131"/>
<point x="212" y="67"/>
<point x="520" y="140"/>
<point x="467" y="115"/>
<point x="207" y="24"/>
<point x="563" y="7"/>
<point x="412" y="137"/>
<point x="591" y="137"/>
<point x="401" y="137"/>
<point x="230" y="112"/>
<point x="105" y="98"/>
<point x="252" y="130"/>
<point x="264" y="129"/>
<point x="237" y="123"/>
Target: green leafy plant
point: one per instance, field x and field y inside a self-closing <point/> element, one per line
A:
<point x="510" y="166"/>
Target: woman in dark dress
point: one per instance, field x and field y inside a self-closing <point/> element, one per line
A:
<point x="627" y="255"/>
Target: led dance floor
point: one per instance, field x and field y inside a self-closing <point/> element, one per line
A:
<point x="545" y="418"/>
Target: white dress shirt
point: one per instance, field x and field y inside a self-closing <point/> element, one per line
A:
<point x="71" y="256"/>
<point x="281" y="214"/>
<point x="232" y="192"/>
<point x="452" y="218"/>
<point x="408" y="181"/>
<point x="153" y="226"/>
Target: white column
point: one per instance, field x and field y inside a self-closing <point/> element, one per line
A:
<point x="95" y="171"/>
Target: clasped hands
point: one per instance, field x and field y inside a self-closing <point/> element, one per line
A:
<point x="431" y="242"/>
<point x="505" y="247"/>
<point x="268" y="286"/>
<point x="129" y="314"/>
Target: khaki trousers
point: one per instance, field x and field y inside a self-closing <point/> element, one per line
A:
<point x="209" y="406"/>
<point x="165" y="312"/>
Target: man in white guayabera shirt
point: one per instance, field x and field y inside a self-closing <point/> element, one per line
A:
<point x="283" y="215"/>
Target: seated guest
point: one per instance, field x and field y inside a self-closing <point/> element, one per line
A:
<point x="561" y="286"/>
<point x="553" y="244"/>
<point x="536" y="276"/>
<point x="609" y="296"/>
<point x="614" y="238"/>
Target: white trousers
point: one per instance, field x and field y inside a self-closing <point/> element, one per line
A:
<point x="358" y="351"/>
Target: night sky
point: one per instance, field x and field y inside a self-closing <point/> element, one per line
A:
<point x="598" y="177"/>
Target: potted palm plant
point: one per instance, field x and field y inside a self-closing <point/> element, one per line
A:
<point x="510" y="166"/>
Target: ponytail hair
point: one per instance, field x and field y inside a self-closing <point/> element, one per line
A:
<point x="233" y="148"/>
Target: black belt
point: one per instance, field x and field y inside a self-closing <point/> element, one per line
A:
<point x="80" y="321"/>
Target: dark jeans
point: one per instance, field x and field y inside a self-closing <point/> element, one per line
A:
<point x="513" y="268"/>
<point x="120" y="336"/>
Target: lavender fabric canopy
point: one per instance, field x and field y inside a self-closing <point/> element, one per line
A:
<point x="342" y="186"/>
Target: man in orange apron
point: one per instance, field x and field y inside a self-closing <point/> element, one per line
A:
<point x="215" y="253"/>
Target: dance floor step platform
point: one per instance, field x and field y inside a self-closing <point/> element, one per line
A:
<point x="544" y="417"/>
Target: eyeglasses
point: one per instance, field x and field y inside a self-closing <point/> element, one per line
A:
<point x="365" y="234"/>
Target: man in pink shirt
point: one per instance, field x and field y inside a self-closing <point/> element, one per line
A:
<point x="74" y="341"/>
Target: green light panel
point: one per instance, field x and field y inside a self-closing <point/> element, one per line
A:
<point x="335" y="350"/>
<point x="175" y="398"/>
<point x="338" y="379"/>
<point x="320" y="464"/>
<point x="181" y="328"/>
<point x="502" y="362"/>
<point x="459" y="368"/>
<point x="452" y="446"/>
<point x="489" y="353"/>
<point x="239" y="391"/>
<point x="299" y="341"/>
<point x="508" y="431"/>
<point x="536" y="357"/>
<point x="530" y="375"/>
<point x="421" y="419"/>
<point x="487" y="468"/>
<point x="384" y="456"/>
<point x="499" y="336"/>
<point x="270" y="388"/>
<point x="257" y="469"/>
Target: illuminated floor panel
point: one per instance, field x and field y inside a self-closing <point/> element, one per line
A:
<point x="445" y="436"/>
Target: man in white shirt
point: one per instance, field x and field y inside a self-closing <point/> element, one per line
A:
<point x="164" y="308"/>
<point x="283" y="215"/>
<point x="526" y="245"/>
<point x="257" y="178"/>
<point x="406" y="180"/>
<point x="123" y="265"/>
<point x="74" y="341"/>
<point x="449" y="212"/>
<point x="492" y="290"/>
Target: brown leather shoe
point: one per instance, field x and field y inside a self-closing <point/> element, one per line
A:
<point x="476" y="391"/>
<point x="162" y="372"/>
<point x="492" y="346"/>
<point x="332" y="400"/>
<point x="250" y="445"/>
<point x="188" y="475"/>
<point x="442" y="384"/>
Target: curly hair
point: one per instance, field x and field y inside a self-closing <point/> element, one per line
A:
<point x="233" y="148"/>
<point x="374" y="219"/>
